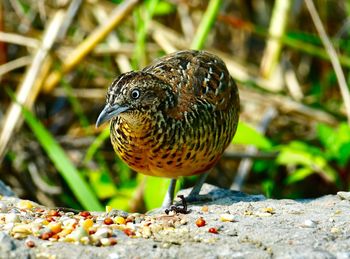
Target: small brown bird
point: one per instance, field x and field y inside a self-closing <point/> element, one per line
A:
<point x="173" y="118"/>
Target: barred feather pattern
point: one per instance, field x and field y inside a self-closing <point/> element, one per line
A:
<point x="186" y="117"/>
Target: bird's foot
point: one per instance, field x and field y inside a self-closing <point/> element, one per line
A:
<point x="182" y="208"/>
<point x="179" y="208"/>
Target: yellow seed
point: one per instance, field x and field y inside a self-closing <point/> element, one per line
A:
<point x="335" y="230"/>
<point x="269" y="210"/>
<point x="227" y="217"/>
<point x="109" y="209"/>
<point x="65" y="232"/>
<point x="85" y="240"/>
<point x="69" y="239"/>
<point x="87" y="224"/>
<point x="55" y="227"/>
<point x="119" y="220"/>
<point x="45" y="222"/>
<point x="20" y="235"/>
<point x="205" y="209"/>
<point x="23" y="229"/>
<point x="25" y="204"/>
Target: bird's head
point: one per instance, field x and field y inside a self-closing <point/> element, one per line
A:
<point x="134" y="94"/>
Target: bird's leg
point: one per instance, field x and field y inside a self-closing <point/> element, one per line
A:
<point x="168" y="200"/>
<point x="193" y="196"/>
<point x="169" y="197"/>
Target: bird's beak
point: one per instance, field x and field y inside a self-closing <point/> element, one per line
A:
<point x="108" y="112"/>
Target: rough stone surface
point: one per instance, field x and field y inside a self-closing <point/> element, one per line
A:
<point x="256" y="228"/>
<point x="5" y="190"/>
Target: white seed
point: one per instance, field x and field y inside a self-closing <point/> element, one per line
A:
<point x="68" y="222"/>
<point x="105" y="241"/>
<point x="3" y="207"/>
<point x="146" y="232"/>
<point x="12" y="218"/>
<point x="309" y="223"/>
<point x="77" y="234"/>
<point x="102" y="232"/>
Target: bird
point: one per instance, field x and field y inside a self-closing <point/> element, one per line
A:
<point x="173" y="118"/>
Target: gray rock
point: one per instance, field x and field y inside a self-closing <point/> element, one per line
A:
<point x="6" y="243"/>
<point x="261" y="228"/>
<point x="5" y="190"/>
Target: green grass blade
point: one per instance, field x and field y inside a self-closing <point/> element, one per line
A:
<point x="98" y="142"/>
<point x="71" y="175"/>
<point x="143" y="15"/>
<point x="77" y="108"/>
<point x="206" y="24"/>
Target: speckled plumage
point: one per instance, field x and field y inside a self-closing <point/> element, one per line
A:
<point x="178" y="114"/>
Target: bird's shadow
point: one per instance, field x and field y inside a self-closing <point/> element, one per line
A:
<point x="214" y="195"/>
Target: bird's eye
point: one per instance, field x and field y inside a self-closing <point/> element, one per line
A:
<point x="135" y="93"/>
